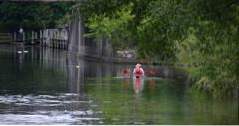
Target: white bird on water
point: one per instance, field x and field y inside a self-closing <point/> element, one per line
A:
<point x="25" y="51"/>
<point x="77" y="66"/>
<point x="19" y="52"/>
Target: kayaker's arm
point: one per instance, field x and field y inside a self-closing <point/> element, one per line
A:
<point x="142" y="70"/>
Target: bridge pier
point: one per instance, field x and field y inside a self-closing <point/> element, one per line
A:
<point x="76" y="39"/>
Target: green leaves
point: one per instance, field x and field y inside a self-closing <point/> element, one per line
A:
<point x="33" y="15"/>
<point x="211" y="48"/>
<point x="164" y="24"/>
<point x="111" y="27"/>
<point x="200" y="33"/>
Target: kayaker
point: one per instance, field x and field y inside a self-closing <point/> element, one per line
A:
<point x="138" y="71"/>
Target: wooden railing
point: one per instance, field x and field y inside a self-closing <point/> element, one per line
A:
<point x="54" y="38"/>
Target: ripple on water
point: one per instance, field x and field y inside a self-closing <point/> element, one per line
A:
<point x="35" y="119"/>
<point x="48" y="109"/>
<point x="55" y="118"/>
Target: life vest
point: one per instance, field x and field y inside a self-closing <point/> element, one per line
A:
<point x="138" y="71"/>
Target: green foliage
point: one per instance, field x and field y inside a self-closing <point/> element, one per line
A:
<point x="161" y="29"/>
<point x="211" y="49"/>
<point x="33" y="15"/>
<point x="126" y="14"/>
<point x="102" y="26"/>
<point x="200" y="33"/>
<point x="90" y="8"/>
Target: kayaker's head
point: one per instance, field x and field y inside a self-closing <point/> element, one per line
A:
<point x="137" y="65"/>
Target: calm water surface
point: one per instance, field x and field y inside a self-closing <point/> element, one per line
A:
<point x="44" y="86"/>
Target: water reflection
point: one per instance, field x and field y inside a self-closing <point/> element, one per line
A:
<point x="151" y="84"/>
<point x="75" y="75"/>
<point x="46" y="86"/>
<point x="138" y="84"/>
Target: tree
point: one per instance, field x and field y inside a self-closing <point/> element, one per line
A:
<point x="32" y="15"/>
<point x="200" y="33"/>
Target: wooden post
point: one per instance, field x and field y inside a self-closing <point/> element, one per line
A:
<point x="61" y="40"/>
<point x="40" y="38"/>
<point x="32" y="37"/>
<point x="50" y="38"/>
<point x="66" y="40"/>
<point x="43" y="38"/>
<point x="54" y="39"/>
<point x="64" y="37"/>
<point x="57" y="38"/>
<point x="23" y="37"/>
<point x="14" y="36"/>
<point x="48" y="35"/>
<point x="35" y="40"/>
<point x="100" y="47"/>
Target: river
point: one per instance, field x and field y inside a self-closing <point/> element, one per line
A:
<point x="46" y="86"/>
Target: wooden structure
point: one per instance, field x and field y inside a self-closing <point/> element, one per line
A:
<point x="54" y="38"/>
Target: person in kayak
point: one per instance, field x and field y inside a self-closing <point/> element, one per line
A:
<point x="126" y="72"/>
<point x="138" y="71"/>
